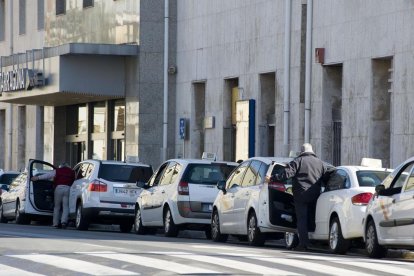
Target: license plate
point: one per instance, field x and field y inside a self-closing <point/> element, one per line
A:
<point x="125" y="192"/>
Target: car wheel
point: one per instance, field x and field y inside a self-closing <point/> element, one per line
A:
<point x="216" y="234"/>
<point x="21" y="218"/>
<point x="337" y="243"/>
<point x="254" y="235"/>
<point x="2" y="218"/>
<point x="372" y="246"/>
<point x="170" y="229"/>
<point x="81" y="222"/>
<point x="126" y="226"/>
<point x="291" y="240"/>
<point x="138" y="227"/>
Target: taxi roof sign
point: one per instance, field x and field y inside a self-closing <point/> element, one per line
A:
<point x="209" y="156"/>
<point x="371" y="162"/>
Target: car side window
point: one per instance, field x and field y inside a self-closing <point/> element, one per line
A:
<point x="176" y="172"/>
<point x="81" y="172"/>
<point x="403" y="177"/>
<point x="337" y="180"/>
<point x="89" y="170"/>
<point x="262" y="173"/>
<point x="237" y="175"/>
<point x="155" y="179"/>
<point x="167" y="176"/>
<point x="16" y="182"/>
<point x="251" y="174"/>
<point x="409" y="185"/>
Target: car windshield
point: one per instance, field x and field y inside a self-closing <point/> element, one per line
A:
<point x="207" y="173"/>
<point x="124" y="173"/>
<point x="7" y="178"/>
<point x="371" y="178"/>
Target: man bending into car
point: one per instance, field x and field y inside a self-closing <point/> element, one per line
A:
<point x="63" y="178"/>
<point x="305" y="170"/>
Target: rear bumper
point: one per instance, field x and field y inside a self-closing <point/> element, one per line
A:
<point x="194" y="209"/>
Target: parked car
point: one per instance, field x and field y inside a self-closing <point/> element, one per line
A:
<point x="6" y="177"/>
<point x="247" y="207"/>
<point x="105" y="192"/>
<point x="25" y="199"/>
<point x="389" y="218"/>
<point x="341" y="207"/>
<point x="180" y="195"/>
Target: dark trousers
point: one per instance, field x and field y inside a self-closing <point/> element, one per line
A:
<point x="305" y="218"/>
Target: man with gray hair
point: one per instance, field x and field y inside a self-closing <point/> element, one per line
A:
<point x="63" y="178"/>
<point x="305" y="170"/>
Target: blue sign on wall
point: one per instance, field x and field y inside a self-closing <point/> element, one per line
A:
<point x="182" y="128"/>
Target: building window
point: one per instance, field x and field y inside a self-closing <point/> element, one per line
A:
<point x="82" y="119"/>
<point x="87" y="3"/>
<point x="60" y="7"/>
<point x="2" y="19"/>
<point x="99" y="117"/>
<point x="40" y="14"/>
<point x="22" y="17"/>
<point x="119" y="116"/>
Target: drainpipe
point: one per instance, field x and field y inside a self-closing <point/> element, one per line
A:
<point x="309" y="19"/>
<point x="286" y="92"/>
<point x="10" y="118"/>
<point x="165" y="119"/>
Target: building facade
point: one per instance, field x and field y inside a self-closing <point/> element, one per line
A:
<point x="85" y="79"/>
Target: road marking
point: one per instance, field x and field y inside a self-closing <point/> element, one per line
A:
<point x="378" y="267"/>
<point x="138" y="259"/>
<point x="73" y="264"/>
<point x="219" y="261"/>
<point x="306" y="265"/>
<point x="222" y="248"/>
<point x="11" y="271"/>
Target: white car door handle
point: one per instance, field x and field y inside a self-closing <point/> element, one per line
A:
<point x="247" y="193"/>
<point x="163" y="192"/>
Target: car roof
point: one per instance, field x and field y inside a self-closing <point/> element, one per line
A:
<point x="187" y="161"/>
<point x="363" y="168"/>
<point x="114" y="162"/>
<point x="270" y="159"/>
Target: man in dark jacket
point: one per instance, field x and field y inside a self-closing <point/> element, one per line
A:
<point x="306" y="170"/>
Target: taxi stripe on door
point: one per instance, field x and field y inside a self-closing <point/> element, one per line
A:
<point x="74" y="264"/>
<point x="140" y="260"/>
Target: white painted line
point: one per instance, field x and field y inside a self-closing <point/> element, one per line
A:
<point x="11" y="271"/>
<point x="395" y="269"/>
<point x="220" y="261"/>
<point x="73" y="264"/>
<point x="140" y="260"/>
<point x="222" y="248"/>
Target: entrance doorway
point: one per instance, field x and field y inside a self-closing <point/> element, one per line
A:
<point x="77" y="152"/>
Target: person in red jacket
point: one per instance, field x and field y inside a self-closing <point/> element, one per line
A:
<point x="63" y="178"/>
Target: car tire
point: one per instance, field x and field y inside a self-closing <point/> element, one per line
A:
<point x="2" y="218"/>
<point x="207" y="232"/>
<point x="81" y="221"/>
<point x="216" y="234"/>
<point x="126" y="226"/>
<point x="254" y="235"/>
<point x="291" y="240"/>
<point x="374" y="249"/>
<point x="138" y="227"/>
<point x="337" y="243"/>
<point x="170" y="228"/>
<point x="21" y="218"/>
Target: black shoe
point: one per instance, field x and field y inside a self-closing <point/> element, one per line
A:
<point x="57" y="226"/>
<point x="64" y="225"/>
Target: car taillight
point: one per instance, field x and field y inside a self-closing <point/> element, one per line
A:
<point x="277" y="186"/>
<point x="183" y="188"/>
<point x="97" y="186"/>
<point x="361" y="199"/>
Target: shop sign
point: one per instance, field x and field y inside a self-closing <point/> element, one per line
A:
<point x="17" y="79"/>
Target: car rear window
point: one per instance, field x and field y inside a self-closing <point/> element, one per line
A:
<point x="124" y="173"/>
<point x="371" y="178"/>
<point x="207" y="173"/>
<point x="7" y="178"/>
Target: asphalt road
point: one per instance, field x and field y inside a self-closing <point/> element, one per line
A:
<point x="42" y="250"/>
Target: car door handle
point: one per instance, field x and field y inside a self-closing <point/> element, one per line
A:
<point x="247" y="193"/>
<point x="393" y="201"/>
<point x="163" y="192"/>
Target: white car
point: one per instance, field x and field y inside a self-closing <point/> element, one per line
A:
<point x="26" y="200"/>
<point x="389" y="218"/>
<point x="105" y="192"/>
<point x="6" y="177"/>
<point x="340" y="209"/>
<point x="179" y="195"/>
<point x="246" y="206"/>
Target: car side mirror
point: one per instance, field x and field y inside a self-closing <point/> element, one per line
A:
<point x="221" y="185"/>
<point x="141" y="184"/>
<point x="379" y="189"/>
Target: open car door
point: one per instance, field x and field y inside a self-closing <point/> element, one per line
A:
<point x="41" y="191"/>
